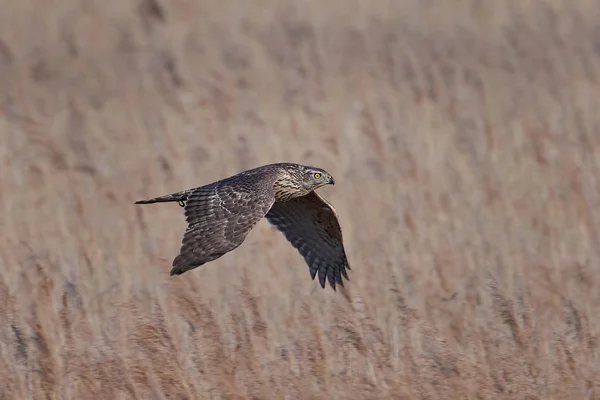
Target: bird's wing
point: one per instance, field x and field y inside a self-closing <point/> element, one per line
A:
<point x="310" y="224"/>
<point x="219" y="218"/>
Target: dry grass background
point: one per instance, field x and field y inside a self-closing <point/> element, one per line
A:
<point x="465" y="141"/>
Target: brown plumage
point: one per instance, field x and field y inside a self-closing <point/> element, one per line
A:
<point x="221" y="214"/>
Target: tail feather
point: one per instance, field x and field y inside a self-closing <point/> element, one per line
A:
<point x="180" y="197"/>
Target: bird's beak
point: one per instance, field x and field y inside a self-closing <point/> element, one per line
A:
<point x="331" y="180"/>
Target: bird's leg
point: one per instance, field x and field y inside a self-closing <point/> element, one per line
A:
<point x="181" y="203"/>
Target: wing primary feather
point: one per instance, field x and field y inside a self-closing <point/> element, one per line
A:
<point x="322" y="277"/>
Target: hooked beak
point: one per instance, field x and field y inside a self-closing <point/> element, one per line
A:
<point x="331" y="180"/>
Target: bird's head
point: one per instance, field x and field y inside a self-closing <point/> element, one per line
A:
<point x="299" y="180"/>
<point x="313" y="178"/>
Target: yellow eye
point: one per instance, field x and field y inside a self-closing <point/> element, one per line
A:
<point x="317" y="175"/>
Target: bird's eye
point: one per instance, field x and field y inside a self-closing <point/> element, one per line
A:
<point x="317" y="175"/>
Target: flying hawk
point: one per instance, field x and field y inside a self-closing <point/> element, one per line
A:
<point x="221" y="214"/>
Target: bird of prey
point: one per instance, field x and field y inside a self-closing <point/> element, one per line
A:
<point x="221" y="214"/>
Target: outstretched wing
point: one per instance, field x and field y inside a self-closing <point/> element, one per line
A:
<point x="310" y="224"/>
<point x="219" y="218"/>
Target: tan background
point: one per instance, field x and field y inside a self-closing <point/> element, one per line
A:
<point x="464" y="137"/>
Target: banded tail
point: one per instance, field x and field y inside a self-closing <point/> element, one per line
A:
<point x="179" y="197"/>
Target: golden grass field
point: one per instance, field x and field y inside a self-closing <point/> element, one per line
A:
<point x="464" y="137"/>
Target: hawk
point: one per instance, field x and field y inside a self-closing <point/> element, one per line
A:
<point x="221" y="214"/>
